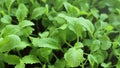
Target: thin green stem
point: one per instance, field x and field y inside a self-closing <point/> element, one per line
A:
<point x="69" y="44"/>
<point x="41" y="63"/>
<point x="82" y="65"/>
<point x="55" y="56"/>
<point x="9" y="9"/>
<point x="86" y="53"/>
<point x="77" y="38"/>
<point x="85" y="61"/>
<point x="19" y="53"/>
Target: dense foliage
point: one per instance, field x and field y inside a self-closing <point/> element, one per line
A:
<point x="59" y="33"/>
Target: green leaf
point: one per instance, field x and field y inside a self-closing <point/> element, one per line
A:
<point x="9" y="42"/>
<point x="6" y="19"/>
<point x="20" y="65"/>
<point x="38" y="12"/>
<point x="87" y="24"/>
<point x="70" y="9"/>
<point x="118" y="64"/>
<point x="22" y="45"/>
<point x="106" y="65"/>
<point x="34" y="51"/>
<point x="103" y="16"/>
<point x="44" y="53"/>
<point x="11" y="59"/>
<point x="109" y="28"/>
<point x="2" y="65"/>
<point x="21" y="12"/>
<point x="95" y="45"/>
<point x="50" y="66"/>
<point x="77" y="28"/>
<point x="87" y="42"/>
<point x="115" y="44"/>
<point x="44" y="34"/>
<point x="46" y="42"/>
<point x="74" y="57"/>
<point x="2" y="56"/>
<point x="62" y="34"/>
<point x="58" y="4"/>
<point x="95" y="13"/>
<point x="116" y="52"/>
<point x="26" y="31"/>
<point x="84" y="5"/>
<point x="25" y="23"/>
<point x="102" y="55"/>
<point x="78" y="45"/>
<point x="2" y="26"/>
<point x="106" y="43"/>
<point x="22" y="1"/>
<point x="63" y="27"/>
<point x="60" y="64"/>
<point x="73" y="25"/>
<point x="58" y="21"/>
<point x="70" y="35"/>
<point x="1" y="3"/>
<point x="10" y="29"/>
<point x="44" y="66"/>
<point x="92" y="59"/>
<point x="30" y="59"/>
<point x="8" y="4"/>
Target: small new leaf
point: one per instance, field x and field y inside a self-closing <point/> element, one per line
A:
<point x="9" y="42"/>
<point x="10" y="29"/>
<point x="38" y="12"/>
<point x="8" y="4"/>
<point x="11" y="59"/>
<point x="74" y="57"/>
<point x="46" y="42"/>
<point x="6" y="19"/>
<point x="78" y="45"/>
<point x="30" y="59"/>
<point x="25" y="23"/>
<point x="21" y="12"/>
<point x="72" y="10"/>
<point x="20" y="65"/>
